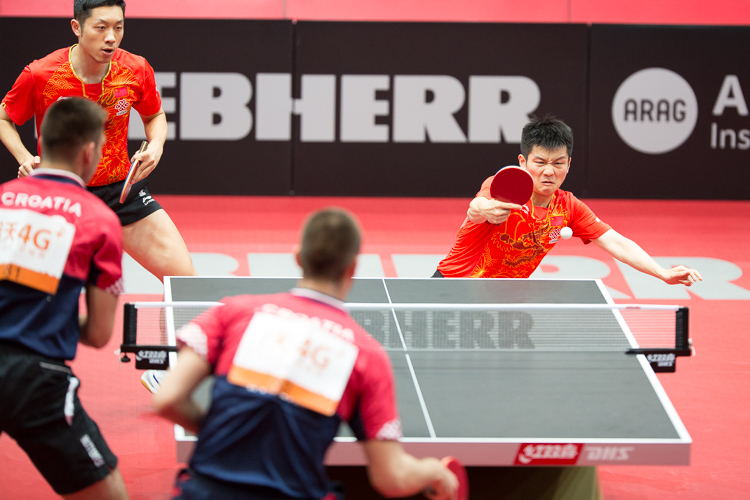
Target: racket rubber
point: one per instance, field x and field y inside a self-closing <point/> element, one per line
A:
<point x="129" y="179"/>
<point x="457" y="468"/>
<point x="512" y="185"/>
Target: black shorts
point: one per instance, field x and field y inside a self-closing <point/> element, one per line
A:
<point x="40" y="410"/>
<point x="138" y="205"/>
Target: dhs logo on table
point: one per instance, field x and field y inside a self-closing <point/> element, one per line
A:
<point x="548" y="454"/>
<point x="151" y="358"/>
<point x="665" y="360"/>
<point x="654" y="110"/>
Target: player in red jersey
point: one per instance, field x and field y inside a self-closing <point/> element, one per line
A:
<point x="96" y="68"/>
<point x="55" y="239"/>
<point x="282" y="421"/>
<point x="504" y="240"/>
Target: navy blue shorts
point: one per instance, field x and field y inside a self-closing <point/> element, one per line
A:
<point x="40" y="410"/>
<point x="190" y="485"/>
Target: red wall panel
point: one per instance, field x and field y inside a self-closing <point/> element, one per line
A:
<point x="730" y="12"/>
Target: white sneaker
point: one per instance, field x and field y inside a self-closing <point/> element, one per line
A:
<point x="151" y="379"/>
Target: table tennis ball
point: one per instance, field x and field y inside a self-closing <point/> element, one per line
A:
<point x="566" y="232"/>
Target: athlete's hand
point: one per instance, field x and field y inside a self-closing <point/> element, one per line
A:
<point x="147" y="161"/>
<point x="26" y="167"/>
<point x="681" y="275"/>
<point x="444" y="487"/>
<point x="495" y="212"/>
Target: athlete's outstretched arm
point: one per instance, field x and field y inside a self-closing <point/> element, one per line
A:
<point x="628" y="251"/>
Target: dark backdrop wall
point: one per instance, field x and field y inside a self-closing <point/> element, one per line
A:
<point x="428" y="109"/>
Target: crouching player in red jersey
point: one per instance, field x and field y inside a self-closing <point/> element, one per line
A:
<point x="264" y="436"/>
<point x="505" y="240"/>
<point x="55" y="239"/>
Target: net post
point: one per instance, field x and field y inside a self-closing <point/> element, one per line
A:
<point x="129" y="324"/>
<point x="682" y="339"/>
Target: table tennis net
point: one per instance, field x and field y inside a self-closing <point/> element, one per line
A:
<point x="553" y="327"/>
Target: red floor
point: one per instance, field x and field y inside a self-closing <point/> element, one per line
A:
<point x="709" y="390"/>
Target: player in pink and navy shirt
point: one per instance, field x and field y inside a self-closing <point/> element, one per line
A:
<point x="56" y="239"/>
<point x="289" y="368"/>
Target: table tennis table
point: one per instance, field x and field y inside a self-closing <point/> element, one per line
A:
<point x="482" y="385"/>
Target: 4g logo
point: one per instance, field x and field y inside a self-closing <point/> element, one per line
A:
<point x="318" y="355"/>
<point x="12" y="233"/>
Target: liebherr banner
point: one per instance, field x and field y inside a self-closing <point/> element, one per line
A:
<point x="426" y="109"/>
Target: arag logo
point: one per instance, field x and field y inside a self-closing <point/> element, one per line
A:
<point x="654" y="110"/>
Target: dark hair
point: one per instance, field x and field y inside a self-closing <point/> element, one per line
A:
<point x="82" y="8"/>
<point x="548" y="133"/>
<point x="69" y="124"/>
<point x="330" y="242"/>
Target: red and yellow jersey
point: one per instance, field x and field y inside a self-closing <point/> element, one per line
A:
<point x="128" y="83"/>
<point x="516" y="247"/>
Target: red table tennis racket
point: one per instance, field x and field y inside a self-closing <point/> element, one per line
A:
<point x="129" y="179"/>
<point x="456" y="467"/>
<point x="512" y="185"/>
